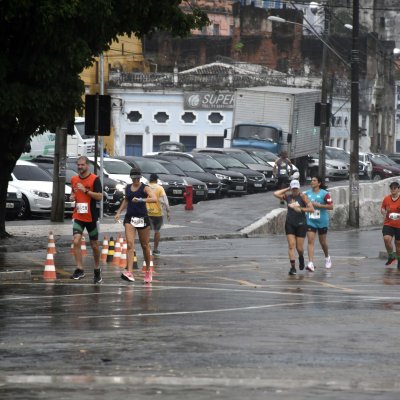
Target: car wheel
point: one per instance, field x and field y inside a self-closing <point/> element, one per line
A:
<point x="25" y="211"/>
<point x="376" y="177"/>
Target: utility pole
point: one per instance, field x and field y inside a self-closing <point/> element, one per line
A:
<point x="354" y="183"/>
<point x="60" y="155"/>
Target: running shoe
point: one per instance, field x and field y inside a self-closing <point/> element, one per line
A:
<point x="97" y="276"/>
<point x="128" y="276"/>
<point x="310" y="267"/>
<point x="390" y="260"/>
<point x="301" y="263"/>
<point x="78" y="274"/>
<point x="328" y="262"/>
<point x="292" y="271"/>
<point x="148" y="276"/>
<point x="156" y="252"/>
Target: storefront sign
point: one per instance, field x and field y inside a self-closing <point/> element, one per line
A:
<point x="208" y="101"/>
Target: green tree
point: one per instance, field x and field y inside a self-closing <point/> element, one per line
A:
<point x="45" y="45"/>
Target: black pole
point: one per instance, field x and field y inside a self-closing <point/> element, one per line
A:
<point x="96" y="132"/>
<point x="354" y="184"/>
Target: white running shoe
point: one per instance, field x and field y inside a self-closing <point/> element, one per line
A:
<point x="328" y="262"/>
<point x="310" y="267"/>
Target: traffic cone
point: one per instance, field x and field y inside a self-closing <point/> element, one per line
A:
<point x="135" y="264"/>
<point x="72" y="249"/>
<point x="104" y="250"/>
<point x="117" y="253"/>
<point x="110" y="254"/>
<point x="51" y="246"/>
<point x="83" y="247"/>
<point x="49" y="272"/>
<point x="122" y="261"/>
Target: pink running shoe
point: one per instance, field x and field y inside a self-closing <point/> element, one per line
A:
<point x="128" y="276"/>
<point x="148" y="276"/>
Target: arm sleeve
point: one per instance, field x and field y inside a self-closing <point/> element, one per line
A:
<point x="97" y="186"/>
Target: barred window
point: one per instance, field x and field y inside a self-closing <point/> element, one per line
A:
<point x="135" y="116"/>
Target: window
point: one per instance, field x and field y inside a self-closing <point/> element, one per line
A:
<point x="215" y="141"/>
<point x="133" y="145"/>
<point x="135" y="116"/>
<point x="215" y="117"/>
<point x="189" y="142"/>
<point x="382" y="22"/>
<point x="188" y="117"/>
<point x="159" y="139"/>
<point x="161" y="117"/>
<point x="216" y="29"/>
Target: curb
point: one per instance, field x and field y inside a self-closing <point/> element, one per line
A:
<point x="16" y="275"/>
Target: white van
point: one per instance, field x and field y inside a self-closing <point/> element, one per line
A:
<point x="77" y="144"/>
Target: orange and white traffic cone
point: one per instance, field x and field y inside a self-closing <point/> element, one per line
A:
<point x="104" y="250"/>
<point x="123" y="260"/>
<point x="83" y="247"/>
<point x="117" y="254"/>
<point x="51" y="246"/>
<point x="49" y="272"/>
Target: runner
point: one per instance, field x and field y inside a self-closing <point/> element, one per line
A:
<point x="137" y="195"/>
<point x="318" y="221"/>
<point x="390" y="210"/>
<point x="296" y="223"/>
<point x="86" y="192"/>
<point x="282" y="170"/>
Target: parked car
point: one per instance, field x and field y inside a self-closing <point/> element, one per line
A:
<point x="334" y="168"/>
<point x="232" y="182"/>
<point x="36" y="187"/>
<point x="395" y="157"/>
<point x="114" y="190"/>
<point x="200" y="191"/>
<point x="190" y="168"/>
<point x="174" y="185"/>
<point x="256" y="181"/>
<point x="13" y="202"/>
<point x="382" y="168"/>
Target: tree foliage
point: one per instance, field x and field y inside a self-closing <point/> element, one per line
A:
<point x="46" y="44"/>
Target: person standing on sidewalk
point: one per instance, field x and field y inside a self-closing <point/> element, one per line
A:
<point x="155" y="211"/>
<point x="318" y="221"/>
<point x="86" y="192"/>
<point x="296" y="223"/>
<point x="390" y="210"/>
<point x="137" y="195"/>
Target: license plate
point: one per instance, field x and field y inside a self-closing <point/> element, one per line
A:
<point x="258" y="185"/>
<point x="212" y="191"/>
<point x="200" y="193"/>
<point x="9" y="205"/>
<point x="239" y="187"/>
<point x="176" y="191"/>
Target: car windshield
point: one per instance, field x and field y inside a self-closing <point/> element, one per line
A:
<point x="69" y="173"/>
<point x="245" y="158"/>
<point x="230" y="162"/>
<point x="151" y="167"/>
<point x="174" y="169"/>
<point x="187" y="165"/>
<point x="388" y="160"/>
<point x="337" y="154"/>
<point x="266" y="155"/>
<point x="31" y="173"/>
<point x="117" y="167"/>
<point x="379" y="160"/>
<point x="209" y="163"/>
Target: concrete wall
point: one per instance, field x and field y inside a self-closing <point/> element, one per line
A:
<point x="371" y="196"/>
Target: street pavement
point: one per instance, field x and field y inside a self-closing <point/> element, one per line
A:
<point x="222" y="318"/>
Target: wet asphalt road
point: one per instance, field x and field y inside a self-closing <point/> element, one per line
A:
<point x="221" y="319"/>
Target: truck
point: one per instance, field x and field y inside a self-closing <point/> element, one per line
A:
<point x="276" y="118"/>
<point x="77" y="144"/>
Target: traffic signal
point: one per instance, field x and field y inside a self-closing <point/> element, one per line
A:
<point x="317" y="114"/>
<point x="104" y="122"/>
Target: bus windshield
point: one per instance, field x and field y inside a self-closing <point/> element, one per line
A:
<point x="257" y="132"/>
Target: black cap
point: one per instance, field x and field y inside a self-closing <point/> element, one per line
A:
<point x="153" y="178"/>
<point x="394" y="184"/>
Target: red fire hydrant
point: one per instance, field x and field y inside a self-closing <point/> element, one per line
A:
<point x="189" y="197"/>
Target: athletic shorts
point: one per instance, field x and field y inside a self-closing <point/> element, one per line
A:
<point x="156" y="223"/>
<point x="127" y="220"/>
<point x="79" y="226"/>
<point x="298" y="231"/>
<point x="390" y="231"/>
<point x="321" y="231"/>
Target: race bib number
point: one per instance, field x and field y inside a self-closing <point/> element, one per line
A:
<point x="315" y="215"/>
<point x="282" y="172"/>
<point x="82" y="208"/>
<point x="137" y="222"/>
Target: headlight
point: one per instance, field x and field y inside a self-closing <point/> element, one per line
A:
<point x="223" y="177"/>
<point x="245" y="178"/>
<point x="120" y="187"/>
<point x="41" y="194"/>
<point x="386" y="171"/>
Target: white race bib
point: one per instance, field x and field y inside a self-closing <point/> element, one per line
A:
<point x="282" y="172"/>
<point x="82" y="208"/>
<point x="137" y="222"/>
<point x="315" y="215"/>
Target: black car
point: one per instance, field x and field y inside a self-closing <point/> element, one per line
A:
<point x="114" y="191"/>
<point x="233" y="182"/>
<point x="255" y="180"/>
<point x="200" y="191"/>
<point x="13" y="202"/>
<point x="190" y="168"/>
<point x="174" y="185"/>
